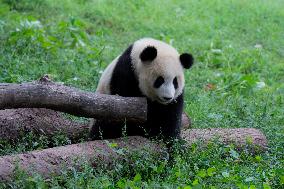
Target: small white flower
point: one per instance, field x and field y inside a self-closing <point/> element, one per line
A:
<point x="216" y="51"/>
<point x="75" y="78"/>
<point x="258" y="46"/>
<point x="260" y="85"/>
<point x="218" y="74"/>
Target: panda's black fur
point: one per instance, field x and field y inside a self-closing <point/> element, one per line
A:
<point x="123" y="81"/>
<point x="163" y="120"/>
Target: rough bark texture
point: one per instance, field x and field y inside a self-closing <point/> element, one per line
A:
<point x="17" y="122"/>
<point x="53" y="160"/>
<point x="241" y="137"/>
<point x="46" y="94"/>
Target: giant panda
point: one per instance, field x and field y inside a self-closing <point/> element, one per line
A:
<point x="148" y="68"/>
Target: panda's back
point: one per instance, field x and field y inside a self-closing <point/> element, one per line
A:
<point x="119" y="77"/>
<point x="104" y="83"/>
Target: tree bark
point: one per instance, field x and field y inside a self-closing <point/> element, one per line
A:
<point x="96" y="153"/>
<point x="15" y="123"/>
<point x="240" y="137"/>
<point x="46" y="94"/>
<point x="52" y="161"/>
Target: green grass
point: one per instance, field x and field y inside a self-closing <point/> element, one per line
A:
<point x="238" y="47"/>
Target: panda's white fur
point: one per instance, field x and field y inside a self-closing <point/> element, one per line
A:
<point x="104" y="83"/>
<point x="166" y="64"/>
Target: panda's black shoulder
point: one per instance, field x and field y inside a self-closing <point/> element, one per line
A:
<point x="124" y="81"/>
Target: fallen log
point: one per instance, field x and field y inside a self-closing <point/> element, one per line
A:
<point x="240" y="137"/>
<point x="54" y="160"/>
<point x="15" y="123"/>
<point x="46" y="94"/>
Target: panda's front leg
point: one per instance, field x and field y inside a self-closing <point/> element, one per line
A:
<point x="165" y="120"/>
<point x="105" y="129"/>
<point x="172" y="127"/>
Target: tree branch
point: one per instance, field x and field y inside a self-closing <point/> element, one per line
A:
<point x="46" y="94"/>
<point x="17" y="122"/>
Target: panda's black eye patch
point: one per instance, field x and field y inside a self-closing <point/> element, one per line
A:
<point x="175" y="82"/>
<point x="159" y="81"/>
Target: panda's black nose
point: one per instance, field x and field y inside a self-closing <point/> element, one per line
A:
<point x="167" y="98"/>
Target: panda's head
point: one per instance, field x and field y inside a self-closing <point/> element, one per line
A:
<point x="159" y="69"/>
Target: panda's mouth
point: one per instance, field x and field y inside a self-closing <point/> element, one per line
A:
<point x="162" y="101"/>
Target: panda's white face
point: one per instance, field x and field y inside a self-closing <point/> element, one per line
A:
<point x="159" y="70"/>
<point x="161" y="81"/>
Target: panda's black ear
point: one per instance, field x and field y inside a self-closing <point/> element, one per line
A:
<point x="148" y="54"/>
<point x="186" y="60"/>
